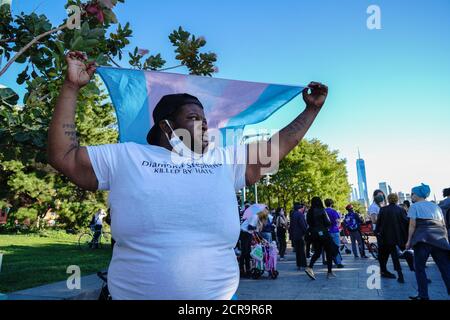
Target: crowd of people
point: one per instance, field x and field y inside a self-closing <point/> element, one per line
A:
<point x="401" y="231"/>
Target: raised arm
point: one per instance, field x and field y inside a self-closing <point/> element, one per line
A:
<point x="64" y="152"/>
<point x="288" y="138"/>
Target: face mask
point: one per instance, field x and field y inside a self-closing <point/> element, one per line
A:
<point x="379" y="199"/>
<point x="179" y="147"/>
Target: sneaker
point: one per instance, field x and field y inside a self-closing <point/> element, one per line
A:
<point x="310" y="273"/>
<point x="401" y="279"/>
<point x="365" y="257"/>
<point x="340" y="266"/>
<point x="330" y="275"/>
<point x="282" y="259"/>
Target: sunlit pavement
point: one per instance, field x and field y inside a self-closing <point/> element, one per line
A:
<point x="351" y="283"/>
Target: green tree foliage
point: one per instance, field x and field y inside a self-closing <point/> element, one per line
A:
<point x="28" y="184"/>
<point x="311" y="169"/>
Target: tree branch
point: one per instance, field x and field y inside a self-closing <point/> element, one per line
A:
<point x="113" y="62"/>
<point x="170" y="68"/>
<point x="35" y="40"/>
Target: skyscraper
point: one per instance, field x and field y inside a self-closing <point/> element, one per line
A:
<point x="383" y="186"/>
<point x="362" y="180"/>
<point x="354" y="194"/>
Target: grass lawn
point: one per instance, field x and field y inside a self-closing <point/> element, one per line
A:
<point x="33" y="260"/>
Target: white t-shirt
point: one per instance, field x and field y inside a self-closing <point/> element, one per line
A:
<point x="374" y="209"/>
<point x="99" y="218"/>
<point x="174" y="221"/>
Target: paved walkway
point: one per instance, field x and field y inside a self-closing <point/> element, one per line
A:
<point x="350" y="284"/>
<point x="90" y="290"/>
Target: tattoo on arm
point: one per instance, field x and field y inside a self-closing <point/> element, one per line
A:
<point x="70" y="131"/>
<point x="296" y="126"/>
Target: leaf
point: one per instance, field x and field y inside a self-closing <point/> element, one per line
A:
<point x="9" y="96"/>
<point x="85" y="29"/>
<point x="77" y="44"/>
<point x="21" y="137"/>
<point x="60" y="46"/>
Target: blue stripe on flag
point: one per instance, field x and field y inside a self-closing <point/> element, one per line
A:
<point x="128" y="91"/>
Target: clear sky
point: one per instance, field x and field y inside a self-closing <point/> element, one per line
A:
<point x="389" y="88"/>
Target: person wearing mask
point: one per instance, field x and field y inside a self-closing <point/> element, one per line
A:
<point x="352" y="222"/>
<point x="298" y="229"/>
<point x="318" y="224"/>
<point x="149" y="249"/>
<point x="445" y="207"/>
<point x="392" y="231"/>
<point x="281" y="224"/>
<point x="427" y="236"/>
<point x="379" y="200"/>
<point x="255" y="217"/>
<point x="335" y="218"/>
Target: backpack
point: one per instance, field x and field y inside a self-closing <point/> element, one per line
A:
<point x="351" y="223"/>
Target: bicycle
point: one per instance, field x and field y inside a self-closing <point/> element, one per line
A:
<point x="366" y="232"/>
<point x="86" y="240"/>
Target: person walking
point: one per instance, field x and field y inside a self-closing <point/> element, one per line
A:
<point x="318" y="224"/>
<point x="335" y="218"/>
<point x="392" y="231"/>
<point x="298" y="229"/>
<point x="352" y="222"/>
<point x="282" y="226"/>
<point x="427" y="236"/>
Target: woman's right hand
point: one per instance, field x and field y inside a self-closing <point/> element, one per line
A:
<point x="79" y="73"/>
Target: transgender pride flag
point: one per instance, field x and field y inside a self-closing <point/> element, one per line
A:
<point x="228" y="104"/>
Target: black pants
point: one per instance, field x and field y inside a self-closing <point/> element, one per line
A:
<point x="422" y="252"/>
<point x="323" y="243"/>
<point x="281" y="236"/>
<point x="308" y="249"/>
<point x="300" y="255"/>
<point x="97" y="233"/>
<point x="383" y="256"/>
<point x="246" y="246"/>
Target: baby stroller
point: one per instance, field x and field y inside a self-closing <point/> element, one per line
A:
<point x="264" y="258"/>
